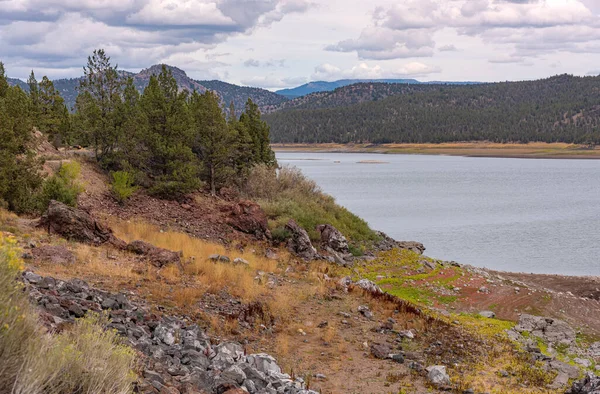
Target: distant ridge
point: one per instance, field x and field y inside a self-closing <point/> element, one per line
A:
<point x="265" y="99"/>
<point x="323" y="86"/>
<point x="563" y="108"/>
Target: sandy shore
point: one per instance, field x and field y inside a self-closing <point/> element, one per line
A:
<point x="536" y="150"/>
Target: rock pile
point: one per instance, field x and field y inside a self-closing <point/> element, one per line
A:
<point x="588" y="385"/>
<point x="178" y="356"/>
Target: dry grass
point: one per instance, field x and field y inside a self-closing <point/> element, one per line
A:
<point x="208" y="275"/>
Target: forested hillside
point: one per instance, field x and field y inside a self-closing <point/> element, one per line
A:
<point x="559" y="109"/>
<point x="227" y="93"/>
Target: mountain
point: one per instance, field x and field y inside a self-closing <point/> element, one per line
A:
<point x="351" y="94"/>
<point x="322" y="86"/>
<point x="17" y="82"/>
<point x="563" y="108"/>
<point x="265" y="99"/>
<point x="228" y="92"/>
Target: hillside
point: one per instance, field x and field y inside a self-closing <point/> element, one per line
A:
<point x="265" y="99"/>
<point x="559" y="109"/>
<point x="228" y="92"/>
<point x="323" y="86"/>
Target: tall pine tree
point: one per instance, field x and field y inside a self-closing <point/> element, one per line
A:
<point x="98" y="104"/>
<point x="214" y="140"/>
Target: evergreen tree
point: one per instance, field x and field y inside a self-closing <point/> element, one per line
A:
<point x="214" y="141"/>
<point x="53" y="117"/>
<point x="98" y="104"/>
<point x="34" y="98"/>
<point x="19" y="170"/>
<point x="3" y="81"/>
<point x="259" y="132"/>
<point x="172" y="164"/>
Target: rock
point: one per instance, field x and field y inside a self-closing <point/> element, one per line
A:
<point x="552" y="330"/>
<point x="263" y="363"/>
<point x="380" y="351"/>
<point x="32" y="278"/>
<point x="248" y="217"/>
<point x="570" y="370"/>
<point x="406" y="334"/>
<point x="241" y="261"/>
<point x="437" y="375"/>
<point x="299" y="243"/>
<point x="369" y="286"/>
<point x="388" y="243"/>
<point x="53" y="254"/>
<point x="158" y="257"/>
<point x="76" y="224"/>
<point x="219" y="258"/>
<point x="588" y="385"/>
<point x="560" y="381"/>
<point x="399" y="358"/>
<point x="594" y="350"/>
<point x="583" y="362"/>
<point x="332" y="238"/>
<point x="234" y="374"/>
<point x="487" y="314"/>
<point x="365" y="311"/>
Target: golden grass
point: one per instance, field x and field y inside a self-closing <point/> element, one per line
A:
<point x="211" y="276"/>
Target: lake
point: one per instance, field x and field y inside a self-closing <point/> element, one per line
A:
<point x="525" y="215"/>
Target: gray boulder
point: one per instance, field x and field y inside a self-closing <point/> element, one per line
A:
<point x="299" y="243"/>
<point x="487" y="314"/>
<point x="369" y="286"/>
<point x="552" y="330"/>
<point x="588" y="385"/>
<point x="437" y="375"/>
<point x="332" y="238"/>
<point x="76" y="224"/>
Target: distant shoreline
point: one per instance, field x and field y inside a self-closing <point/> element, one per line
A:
<point x="534" y="150"/>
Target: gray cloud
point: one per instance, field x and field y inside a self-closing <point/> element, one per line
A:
<point x="61" y="33"/>
<point x="531" y="27"/>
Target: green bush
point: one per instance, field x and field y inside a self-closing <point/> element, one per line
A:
<point x="123" y="185"/>
<point x="280" y="234"/>
<point x="287" y="194"/>
<point x="85" y="359"/>
<point x="62" y="186"/>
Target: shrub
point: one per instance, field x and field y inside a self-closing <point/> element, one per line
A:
<point x="123" y="185"/>
<point x="62" y="186"/>
<point x="85" y="359"/>
<point x="287" y="194"/>
<point x="280" y="234"/>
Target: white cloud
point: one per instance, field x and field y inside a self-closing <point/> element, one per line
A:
<point x="184" y="13"/>
<point x="406" y="29"/>
<point x="448" y="48"/>
<point x="273" y="82"/>
<point x="328" y="72"/>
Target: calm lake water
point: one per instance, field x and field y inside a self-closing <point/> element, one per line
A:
<point x="526" y="215"/>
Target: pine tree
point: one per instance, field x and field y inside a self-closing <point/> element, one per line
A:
<point x="19" y="170"/>
<point x="3" y="81"/>
<point x="52" y="117"/>
<point x="259" y="132"/>
<point x="98" y="104"/>
<point x="34" y="98"/>
<point x="171" y="163"/>
<point x="214" y="142"/>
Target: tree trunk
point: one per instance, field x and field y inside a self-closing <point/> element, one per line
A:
<point x="213" y="189"/>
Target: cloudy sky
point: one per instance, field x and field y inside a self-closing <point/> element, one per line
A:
<point x="281" y="43"/>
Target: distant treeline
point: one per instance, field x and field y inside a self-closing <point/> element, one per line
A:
<point x="558" y="109"/>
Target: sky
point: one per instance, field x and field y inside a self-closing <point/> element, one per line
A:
<point x="275" y="44"/>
